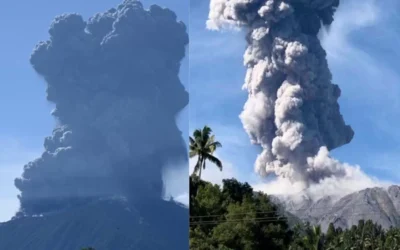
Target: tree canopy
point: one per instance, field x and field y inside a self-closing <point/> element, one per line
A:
<point x="234" y="217"/>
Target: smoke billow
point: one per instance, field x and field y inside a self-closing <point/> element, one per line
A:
<point x="114" y="82"/>
<point x="292" y="110"/>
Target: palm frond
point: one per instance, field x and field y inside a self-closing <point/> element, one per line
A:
<point x="214" y="145"/>
<point x="197" y="134"/>
<point x="193" y="145"/>
<point x="191" y="140"/>
<point x="214" y="160"/>
<point x="211" y="139"/>
<point x="205" y="135"/>
<point x="193" y="153"/>
<point x="198" y="138"/>
<point x="207" y="130"/>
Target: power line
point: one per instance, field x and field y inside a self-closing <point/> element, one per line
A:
<point x="218" y="215"/>
<point x="276" y="211"/>
<point x="257" y="220"/>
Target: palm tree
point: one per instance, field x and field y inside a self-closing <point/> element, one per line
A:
<point x="392" y="241"/>
<point x="336" y="243"/>
<point x="203" y="145"/>
<point x="314" y="238"/>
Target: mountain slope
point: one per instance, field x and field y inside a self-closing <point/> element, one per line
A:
<point x="380" y="205"/>
<point x="105" y="224"/>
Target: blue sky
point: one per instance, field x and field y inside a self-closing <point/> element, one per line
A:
<point x="362" y="49"/>
<point x="363" y="56"/>
<point x="26" y="119"/>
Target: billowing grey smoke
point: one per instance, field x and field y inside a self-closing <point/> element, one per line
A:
<point x="292" y="109"/>
<point x="114" y="82"/>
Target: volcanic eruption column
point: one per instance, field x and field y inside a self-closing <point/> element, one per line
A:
<point x="292" y="110"/>
<point x="114" y="82"/>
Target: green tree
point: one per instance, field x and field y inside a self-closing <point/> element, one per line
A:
<point x="298" y="241"/>
<point x="203" y="145"/>
<point x="234" y="218"/>
<point x="314" y="239"/>
<point x="199" y="239"/>
<point x="234" y="191"/>
<point x="251" y="225"/>
<point x="392" y="241"/>
<point x="331" y="233"/>
<point x="336" y="244"/>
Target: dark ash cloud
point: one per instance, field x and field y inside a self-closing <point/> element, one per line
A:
<point x="114" y="82"/>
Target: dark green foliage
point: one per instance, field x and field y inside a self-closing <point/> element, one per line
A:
<point x="236" y="191"/>
<point x="364" y="236"/>
<point x="233" y="217"/>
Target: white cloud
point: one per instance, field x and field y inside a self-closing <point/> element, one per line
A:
<point x="182" y="198"/>
<point x="373" y="82"/>
<point x="176" y="183"/>
<point x="355" y="180"/>
<point x="351" y="17"/>
<point x="362" y="49"/>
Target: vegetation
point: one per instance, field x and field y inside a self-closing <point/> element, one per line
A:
<point x="233" y="217"/>
<point x="203" y="145"/>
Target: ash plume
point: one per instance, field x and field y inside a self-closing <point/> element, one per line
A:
<point x="114" y="82"/>
<point x="292" y="110"/>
